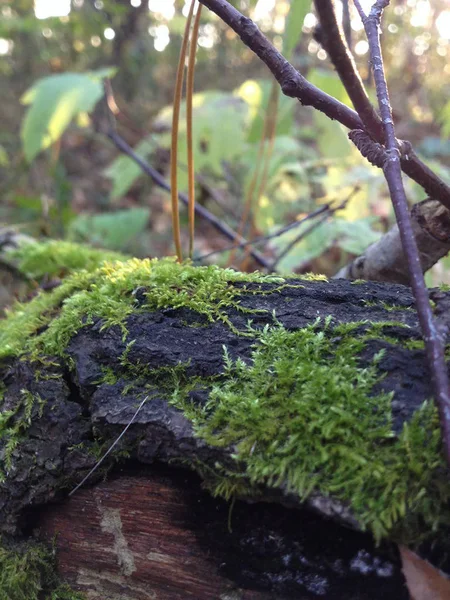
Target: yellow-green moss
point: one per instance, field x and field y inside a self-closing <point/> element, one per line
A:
<point x="54" y="258"/>
<point x="28" y="573"/>
<point x="108" y="293"/>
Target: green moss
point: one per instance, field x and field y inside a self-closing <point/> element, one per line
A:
<point x="302" y="416"/>
<point x="387" y="307"/>
<point x="55" y="258"/>
<point x="28" y="573"/>
<point x="14" y="423"/>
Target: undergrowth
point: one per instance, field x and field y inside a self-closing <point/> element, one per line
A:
<point x="29" y="574"/>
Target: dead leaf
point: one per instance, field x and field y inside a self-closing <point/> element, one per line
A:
<point x="424" y="581"/>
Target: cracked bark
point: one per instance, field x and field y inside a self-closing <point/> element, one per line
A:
<point x="150" y="530"/>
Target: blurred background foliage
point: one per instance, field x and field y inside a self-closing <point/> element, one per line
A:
<point x="61" y="177"/>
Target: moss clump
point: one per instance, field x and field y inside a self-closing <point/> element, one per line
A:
<point x="54" y="258"/>
<point x="14" y="423"/>
<point x="108" y="293"/>
<point x="28" y="573"/>
<point x="302" y="416"/>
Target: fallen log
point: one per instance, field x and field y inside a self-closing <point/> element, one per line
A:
<point x="298" y="400"/>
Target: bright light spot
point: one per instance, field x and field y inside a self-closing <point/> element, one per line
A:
<point x="322" y="55"/>
<point x="362" y="47"/>
<point x="78" y="3"/>
<point x="78" y="46"/>
<point x="187" y="8"/>
<point x="313" y="47"/>
<point x="262" y="9"/>
<point x="98" y="4"/>
<point x="441" y="51"/>
<point x="208" y="36"/>
<point x="164" y="8"/>
<point x="47" y="32"/>
<point x="161" y="35"/>
<point x="135" y="3"/>
<point x="96" y="41"/>
<point x="310" y="21"/>
<point x="43" y="9"/>
<point x="357" y="24"/>
<point x="109" y="33"/>
<point x="7" y="12"/>
<point x="421" y="14"/>
<point x="367" y="5"/>
<point x="443" y="24"/>
<point x="6" y="46"/>
<point x="279" y="23"/>
<point x="392" y="28"/>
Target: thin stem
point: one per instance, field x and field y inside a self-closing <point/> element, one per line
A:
<point x="189" y="124"/>
<point x="200" y="210"/>
<point x="434" y="342"/>
<point x="175" y="123"/>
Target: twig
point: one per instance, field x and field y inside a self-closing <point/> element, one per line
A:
<point x="200" y="210"/>
<point x="306" y="232"/>
<point x="434" y="342"/>
<point x="297" y="240"/>
<point x="295" y="85"/>
<point x="265" y="238"/>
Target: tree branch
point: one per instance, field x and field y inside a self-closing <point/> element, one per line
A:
<point x="434" y="342"/>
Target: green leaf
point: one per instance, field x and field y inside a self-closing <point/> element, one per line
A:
<point x="56" y="100"/>
<point x="294" y="23"/>
<point x="311" y="246"/>
<point x="329" y="83"/>
<point x="444" y="118"/>
<point x="256" y="95"/>
<point x="113" y="231"/>
<point x="123" y="171"/>
<point x="356" y="236"/>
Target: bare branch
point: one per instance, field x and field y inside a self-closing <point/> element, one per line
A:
<point x="333" y="40"/>
<point x="434" y="341"/>
<point x="295" y="85"/>
<point x="385" y="260"/>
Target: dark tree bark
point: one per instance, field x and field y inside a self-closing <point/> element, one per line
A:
<point x="150" y="532"/>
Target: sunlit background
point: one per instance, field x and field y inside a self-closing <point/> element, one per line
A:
<point x="65" y="190"/>
<point x="421" y="15"/>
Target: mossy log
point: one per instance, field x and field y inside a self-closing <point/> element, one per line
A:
<point x="298" y="403"/>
